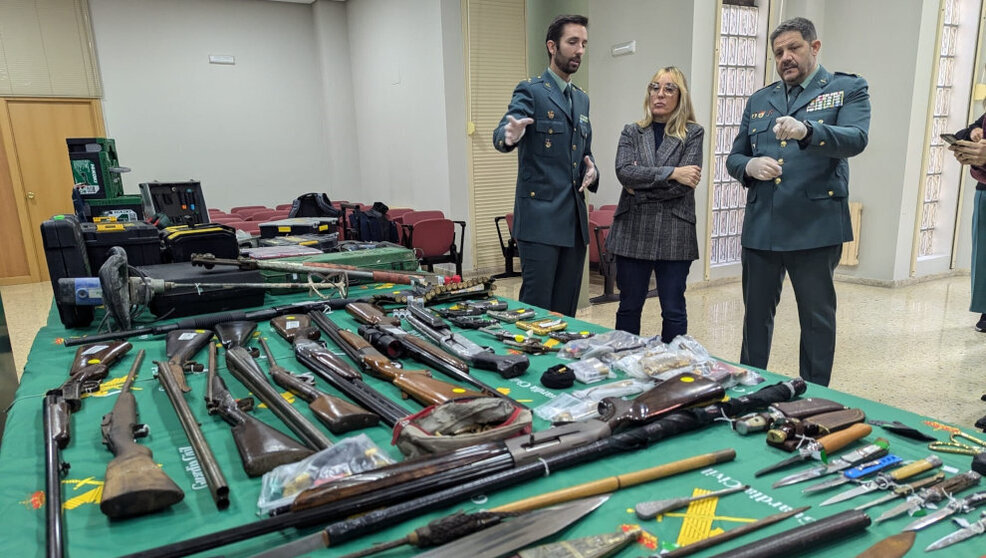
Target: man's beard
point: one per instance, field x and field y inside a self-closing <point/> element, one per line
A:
<point x="566" y="64"/>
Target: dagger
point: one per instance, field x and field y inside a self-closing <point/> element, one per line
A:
<point x="596" y="546"/>
<point x="967" y="531"/>
<point x="884" y="481"/>
<point x="894" y="546"/>
<point x="965" y="505"/>
<point x="818" y="449"/>
<point x="856" y="473"/>
<point x="902" y="490"/>
<point x="934" y="494"/>
<point x="872" y="451"/>
<point x="654" y="508"/>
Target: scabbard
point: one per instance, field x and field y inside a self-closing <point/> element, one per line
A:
<point x="804" y="408"/>
<point x="806" y="537"/>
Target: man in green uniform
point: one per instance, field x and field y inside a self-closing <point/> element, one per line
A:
<point x="791" y="154"/>
<point x="548" y="122"/>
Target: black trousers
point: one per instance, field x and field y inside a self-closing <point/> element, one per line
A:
<point x="811" y="274"/>
<point x="633" y="280"/>
<point x="552" y="275"/>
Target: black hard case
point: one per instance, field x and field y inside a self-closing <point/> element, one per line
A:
<point x="140" y="241"/>
<point x="181" y="241"/>
<point x="186" y="301"/>
<point x="65" y="252"/>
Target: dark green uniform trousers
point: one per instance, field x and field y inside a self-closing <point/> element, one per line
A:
<point x="811" y="274"/>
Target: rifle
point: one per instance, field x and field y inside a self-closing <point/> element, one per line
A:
<point x="386" y="335"/>
<point x="241" y="365"/>
<point x="508" y="366"/>
<point x="180" y="347"/>
<point x="90" y="366"/>
<point x="432" y="472"/>
<point x="334" y="370"/>
<point x="351" y="272"/>
<point x="209" y="321"/>
<point x="417" y="384"/>
<point x="261" y="447"/>
<point x="134" y="485"/>
<point x="491" y="479"/>
<point x="338" y="415"/>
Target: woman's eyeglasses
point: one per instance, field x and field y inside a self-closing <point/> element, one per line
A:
<point x="669" y="89"/>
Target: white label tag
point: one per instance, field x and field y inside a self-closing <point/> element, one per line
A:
<point x="95" y="349"/>
<point x="187" y="336"/>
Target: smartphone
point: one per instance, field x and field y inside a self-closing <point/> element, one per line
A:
<point x="949" y="138"/>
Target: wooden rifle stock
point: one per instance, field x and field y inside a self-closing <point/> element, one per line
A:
<point x="182" y="345"/>
<point x="683" y="390"/>
<point x="338" y="415"/>
<point x="89" y="367"/>
<point x="260" y="446"/>
<point x="418" y="384"/>
<point x="134" y="485"/>
<point x="241" y="365"/>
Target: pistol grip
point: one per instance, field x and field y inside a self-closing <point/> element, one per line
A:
<point x="507" y="366"/>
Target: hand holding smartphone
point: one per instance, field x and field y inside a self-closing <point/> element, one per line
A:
<point x="949" y="138"/>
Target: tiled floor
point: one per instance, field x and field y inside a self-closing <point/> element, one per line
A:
<point x="912" y="347"/>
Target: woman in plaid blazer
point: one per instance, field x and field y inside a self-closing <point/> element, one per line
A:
<point x="658" y="162"/>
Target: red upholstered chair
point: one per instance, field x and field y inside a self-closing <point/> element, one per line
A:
<point x="225" y="220"/>
<point x="507" y="245"/>
<point x="409" y="219"/>
<point x="239" y="208"/>
<point x="262" y="216"/>
<point x="600" y="222"/>
<point x="283" y="207"/>
<point x="247" y="214"/>
<point x="397" y="216"/>
<point x="433" y="241"/>
<point x="251" y="227"/>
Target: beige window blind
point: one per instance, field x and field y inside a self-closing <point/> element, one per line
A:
<point x="46" y="49"/>
<point x="497" y="61"/>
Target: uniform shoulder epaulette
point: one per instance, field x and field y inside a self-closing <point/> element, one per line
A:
<point x="577" y="87"/>
<point x="846" y="74"/>
<point x="768" y="86"/>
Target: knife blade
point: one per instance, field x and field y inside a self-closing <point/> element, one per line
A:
<point x="504" y="538"/>
<point x="967" y="531"/>
<point x="903" y="490"/>
<point x="965" y="505"/>
<point x="866" y="453"/>
<point x="884" y="481"/>
<point x="933" y="495"/>
<point x="819" y="449"/>
<point x="855" y="473"/>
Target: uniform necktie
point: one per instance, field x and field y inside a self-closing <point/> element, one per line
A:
<point x="568" y="95"/>
<point x="792" y="95"/>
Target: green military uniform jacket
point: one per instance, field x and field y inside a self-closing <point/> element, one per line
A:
<point x="807" y="206"/>
<point x="548" y="207"/>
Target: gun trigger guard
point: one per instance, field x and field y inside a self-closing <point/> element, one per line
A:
<point x="140" y="430"/>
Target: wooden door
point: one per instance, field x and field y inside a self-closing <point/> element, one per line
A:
<point x="35" y="175"/>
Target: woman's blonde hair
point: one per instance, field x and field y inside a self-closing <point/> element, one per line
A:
<point x="683" y="113"/>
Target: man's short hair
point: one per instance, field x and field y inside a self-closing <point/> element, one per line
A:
<point x="557" y="26"/>
<point x="800" y="24"/>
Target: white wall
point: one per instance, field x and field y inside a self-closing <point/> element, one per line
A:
<point x="399" y="91"/>
<point x="344" y="181"/>
<point x="617" y="84"/>
<point x="247" y="131"/>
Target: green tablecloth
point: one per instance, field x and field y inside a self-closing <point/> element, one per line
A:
<point x="90" y="533"/>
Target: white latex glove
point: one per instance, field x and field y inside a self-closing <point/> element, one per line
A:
<point x="787" y="127"/>
<point x="590" y="174"/>
<point x="763" y="168"/>
<point x="514" y="129"/>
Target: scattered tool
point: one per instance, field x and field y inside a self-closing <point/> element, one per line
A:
<point x="654" y="508"/>
<point x="818" y="449"/>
